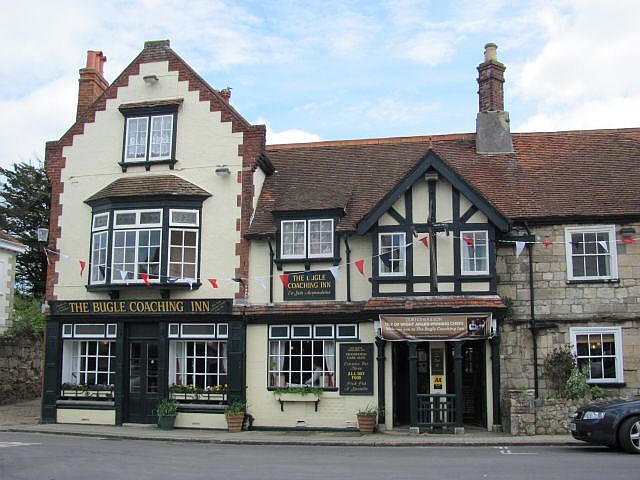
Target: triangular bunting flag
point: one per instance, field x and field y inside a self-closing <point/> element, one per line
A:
<point x="604" y="245"/>
<point x="66" y="257"/>
<point x="145" y="277"/>
<point x="629" y="240"/>
<point x="547" y="243"/>
<point x="190" y="284"/>
<point x="171" y="279"/>
<point x="386" y="258"/>
<point x="519" y="248"/>
<point x="335" y="271"/>
<point x="213" y="282"/>
<point x="468" y="241"/>
<point x="360" y="266"/>
<point x="261" y="282"/>
<point x="82" y="265"/>
<point x="284" y="278"/>
<point x="102" y="270"/>
<point x="425" y="241"/>
<point x="123" y="274"/>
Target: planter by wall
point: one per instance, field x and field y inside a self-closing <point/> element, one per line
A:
<point x="366" y="423"/>
<point x="166" y="422"/>
<point x="234" y="422"/>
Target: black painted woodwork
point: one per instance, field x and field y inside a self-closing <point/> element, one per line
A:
<point x="52" y="370"/>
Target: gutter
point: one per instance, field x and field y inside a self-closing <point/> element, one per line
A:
<point x="534" y="328"/>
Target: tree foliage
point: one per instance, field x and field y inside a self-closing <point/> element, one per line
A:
<point x="24" y="207"/>
<point x="28" y="319"/>
<point x="557" y="368"/>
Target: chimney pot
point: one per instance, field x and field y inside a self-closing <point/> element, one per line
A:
<point x="91" y="83"/>
<point x="490" y="53"/>
<point x="226" y="94"/>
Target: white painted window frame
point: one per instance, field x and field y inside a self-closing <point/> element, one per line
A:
<point x="271" y="327"/>
<point x="182" y="247"/>
<point x="302" y="337"/>
<point x="183" y="210"/>
<point x="88" y="335"/>
<point x="340" y="337"/>
<point x="463" y="244"/>
<point x="324" y="337"/>
<point x="150" y="140"/>
<point x="136" y="273"/>
<point x="304" y="253"/>
<point x="319" y="255"/>
<point x="183" y="335"/>
<point x="127" y="159"/>
<point x="93" y="223"/>
<point x="613" y="251"/>
<point x="94" y="265"/>
<point x="617" y="332"/>
<point x="138" y="214"/>
<point x="403" y="250"/>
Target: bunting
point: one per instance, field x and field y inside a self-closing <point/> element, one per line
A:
<point x="284" y="278"/>
<point x="360" y="266"/>
<point x="213" y="282"/>
<point x="145" y="278"/>
<point x="519" y="248"/>
<point x="425" y="241"/>
<point x="82" y="265"/>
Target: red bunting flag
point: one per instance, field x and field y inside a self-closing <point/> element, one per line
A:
<point x="284" y="278"/>
<point x="425" y="241"/>
<point x="468" y="241"/>
<point x="213" y="282"/>
<point x="360" y="266"/>
<point x="145" y="277"/>
<point x="629" y="240"/>
<point x="82" y="265"/>
<point x="547" y="243"/>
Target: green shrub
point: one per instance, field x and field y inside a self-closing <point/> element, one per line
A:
<point x="597" y="393"/>
<point x="369" y="411"/>
<point x="316" y="391"/>
<point x="167" y="408"/>
<point x="27" y="319"/>
<point x="235" y="408"/>
<point x="577" y="386"/>
<point x="557" y="368"/>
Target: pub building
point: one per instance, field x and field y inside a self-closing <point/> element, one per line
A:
<point x="424" y="277"/>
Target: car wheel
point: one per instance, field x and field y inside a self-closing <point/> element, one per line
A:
<point x="629" y="435"/>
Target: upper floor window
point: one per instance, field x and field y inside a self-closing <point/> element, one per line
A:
<point x="391" y="253"/>
<point x="137" y="245"/>
<point x="475" y="252"/>
<point x="306" y="238"/>
<point x="591" y="253"/>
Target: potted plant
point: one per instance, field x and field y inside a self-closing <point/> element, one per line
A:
<point x="234" y="413"/>
<point x="367" y="417"/>
<point x="167" y="411"/>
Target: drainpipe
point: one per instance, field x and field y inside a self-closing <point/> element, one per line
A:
<point x="534" y="328"/>
<point x="270" y="272"/>
<point x="348" y="252"/>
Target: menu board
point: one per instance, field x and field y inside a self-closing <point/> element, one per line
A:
<point x="356" y="368"/>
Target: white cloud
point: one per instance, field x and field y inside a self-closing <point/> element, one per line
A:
<point x="585" y="75"/>
<point x="291" y="135"/>
<point x="388" y="111"/>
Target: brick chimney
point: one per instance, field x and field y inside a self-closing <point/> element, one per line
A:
<point x="91" y="82"/>
<point x="493" y="135"/>
<point x="226" y="94"/>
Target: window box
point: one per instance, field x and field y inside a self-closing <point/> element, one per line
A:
<point x="81" y="392"/>
<point x="298" y="394"/>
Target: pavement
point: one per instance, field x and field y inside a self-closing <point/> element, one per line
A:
<point x="23" y="418"/>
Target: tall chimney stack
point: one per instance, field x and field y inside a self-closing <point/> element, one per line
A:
<point x="492" y="123"/>
<point x="91" y="83"/>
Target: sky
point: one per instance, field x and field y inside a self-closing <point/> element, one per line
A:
<point x="332" y="70"/>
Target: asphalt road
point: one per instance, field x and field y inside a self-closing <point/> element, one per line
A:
<point x="56" y="457"/>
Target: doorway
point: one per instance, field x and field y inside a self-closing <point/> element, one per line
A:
<point x="401" y="387"/>
<point x="473" y="383"/>
<point x="143" y="381"/>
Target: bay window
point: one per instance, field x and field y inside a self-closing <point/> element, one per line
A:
<point x="136" y="246"/>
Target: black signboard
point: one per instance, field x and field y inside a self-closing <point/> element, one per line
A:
<point x="356" y="369"/>
<point x="139" y="307"/>
<point x="437" y="361"/>
<point x="315" y="285"/>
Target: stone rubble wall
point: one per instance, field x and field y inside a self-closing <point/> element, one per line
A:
<point x="21" y="364"/>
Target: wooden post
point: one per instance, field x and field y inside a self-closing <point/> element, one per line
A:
<point x="413" y="388"/>
<point x="380" y="345"/>
<point x="433" y="248"/>
<point x="457" y="361"/>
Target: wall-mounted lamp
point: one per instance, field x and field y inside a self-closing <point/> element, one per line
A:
<point x="223" y="171"/>
<point x="42" y="234"/>
<point x="627" y="232"/>
<point x="150" y="79"/>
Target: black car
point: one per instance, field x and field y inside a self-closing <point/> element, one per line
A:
<point x="615" y="423"/>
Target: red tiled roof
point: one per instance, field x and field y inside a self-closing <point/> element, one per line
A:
<point x="147" y="186"/>
<point x="557" y="174"/>
<point x="376" y="305"/>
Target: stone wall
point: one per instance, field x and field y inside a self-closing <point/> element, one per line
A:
<point x="21" y="361"/>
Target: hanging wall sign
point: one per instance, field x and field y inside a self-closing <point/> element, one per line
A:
<point x="313" y="285"/>
<point x="435" y="327"/>
<point x="356" y="368"/>
<point x="139" y="307"/>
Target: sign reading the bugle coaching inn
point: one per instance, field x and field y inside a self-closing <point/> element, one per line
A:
<point x="356" y="369"/>
<point x="435" y="327"/>
<point x="316" y="285"/>
<point x="139" y="307"/>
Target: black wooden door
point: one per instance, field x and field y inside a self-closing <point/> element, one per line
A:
<point x="143" y="381"/>
<point x="473" y="380"/>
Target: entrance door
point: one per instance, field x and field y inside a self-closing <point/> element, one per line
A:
<point x="401" y="390"/>
<point x="143" y="386"/>
<point x="473" y="383"/>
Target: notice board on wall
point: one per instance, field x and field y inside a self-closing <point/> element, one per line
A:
<point x="356" y="368"/>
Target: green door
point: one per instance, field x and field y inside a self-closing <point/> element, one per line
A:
<point x="143" y="381"/>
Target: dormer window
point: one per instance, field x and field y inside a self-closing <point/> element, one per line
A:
<point x="149" y="133"/>
<point x="301" y="239"/>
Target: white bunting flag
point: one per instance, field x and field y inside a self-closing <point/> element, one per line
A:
<point x="604" y="245"/>
<point x="123" y="274"/>
<point x="261" y="282"/>
<point x="519" y="248"/>
<point x="335" y="272"/>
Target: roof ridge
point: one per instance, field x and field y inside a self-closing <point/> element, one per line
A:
<point x="374" y="141"/>
<point x="586" y="131"/>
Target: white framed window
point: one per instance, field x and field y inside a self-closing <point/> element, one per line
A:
<point x="599" y="350"/>
<point x="112" y="330"/>
<point x="174" y="330"/>
<point x="198" y="330"/>
<point x="278" y="331"/>
<point x="391" y="253"/>
<point x="183" y="253"/>
<point x="321" y="238"/>
<point x="89" y="330"/>
<point x="201" y="363"/>
<point x="295" y="363"/>
<point x="137" y="218"/>
<point x="67" y="330"/>
<point x="135" y="252"/>
<point x="99" y="257"/>
<point x="183" y="218"/>
<point x="347" y="330"/>
<point x="591" y="253"/>
<point x="300" y="331"/>
<point x="88" y="362"/>
<point x="100" y="222"/>
<point x="474" y="252"/>
<point x="323" y="331"/>
<point x="149" y="138"/>
<point x="223" y="330"/>
<point x="293" y="239"/>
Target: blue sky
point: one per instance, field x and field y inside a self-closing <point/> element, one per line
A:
<point x="334" y="69"/>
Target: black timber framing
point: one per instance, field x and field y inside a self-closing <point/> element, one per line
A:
<point x="52" y="369"/>
<point x="432" y="160"/>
